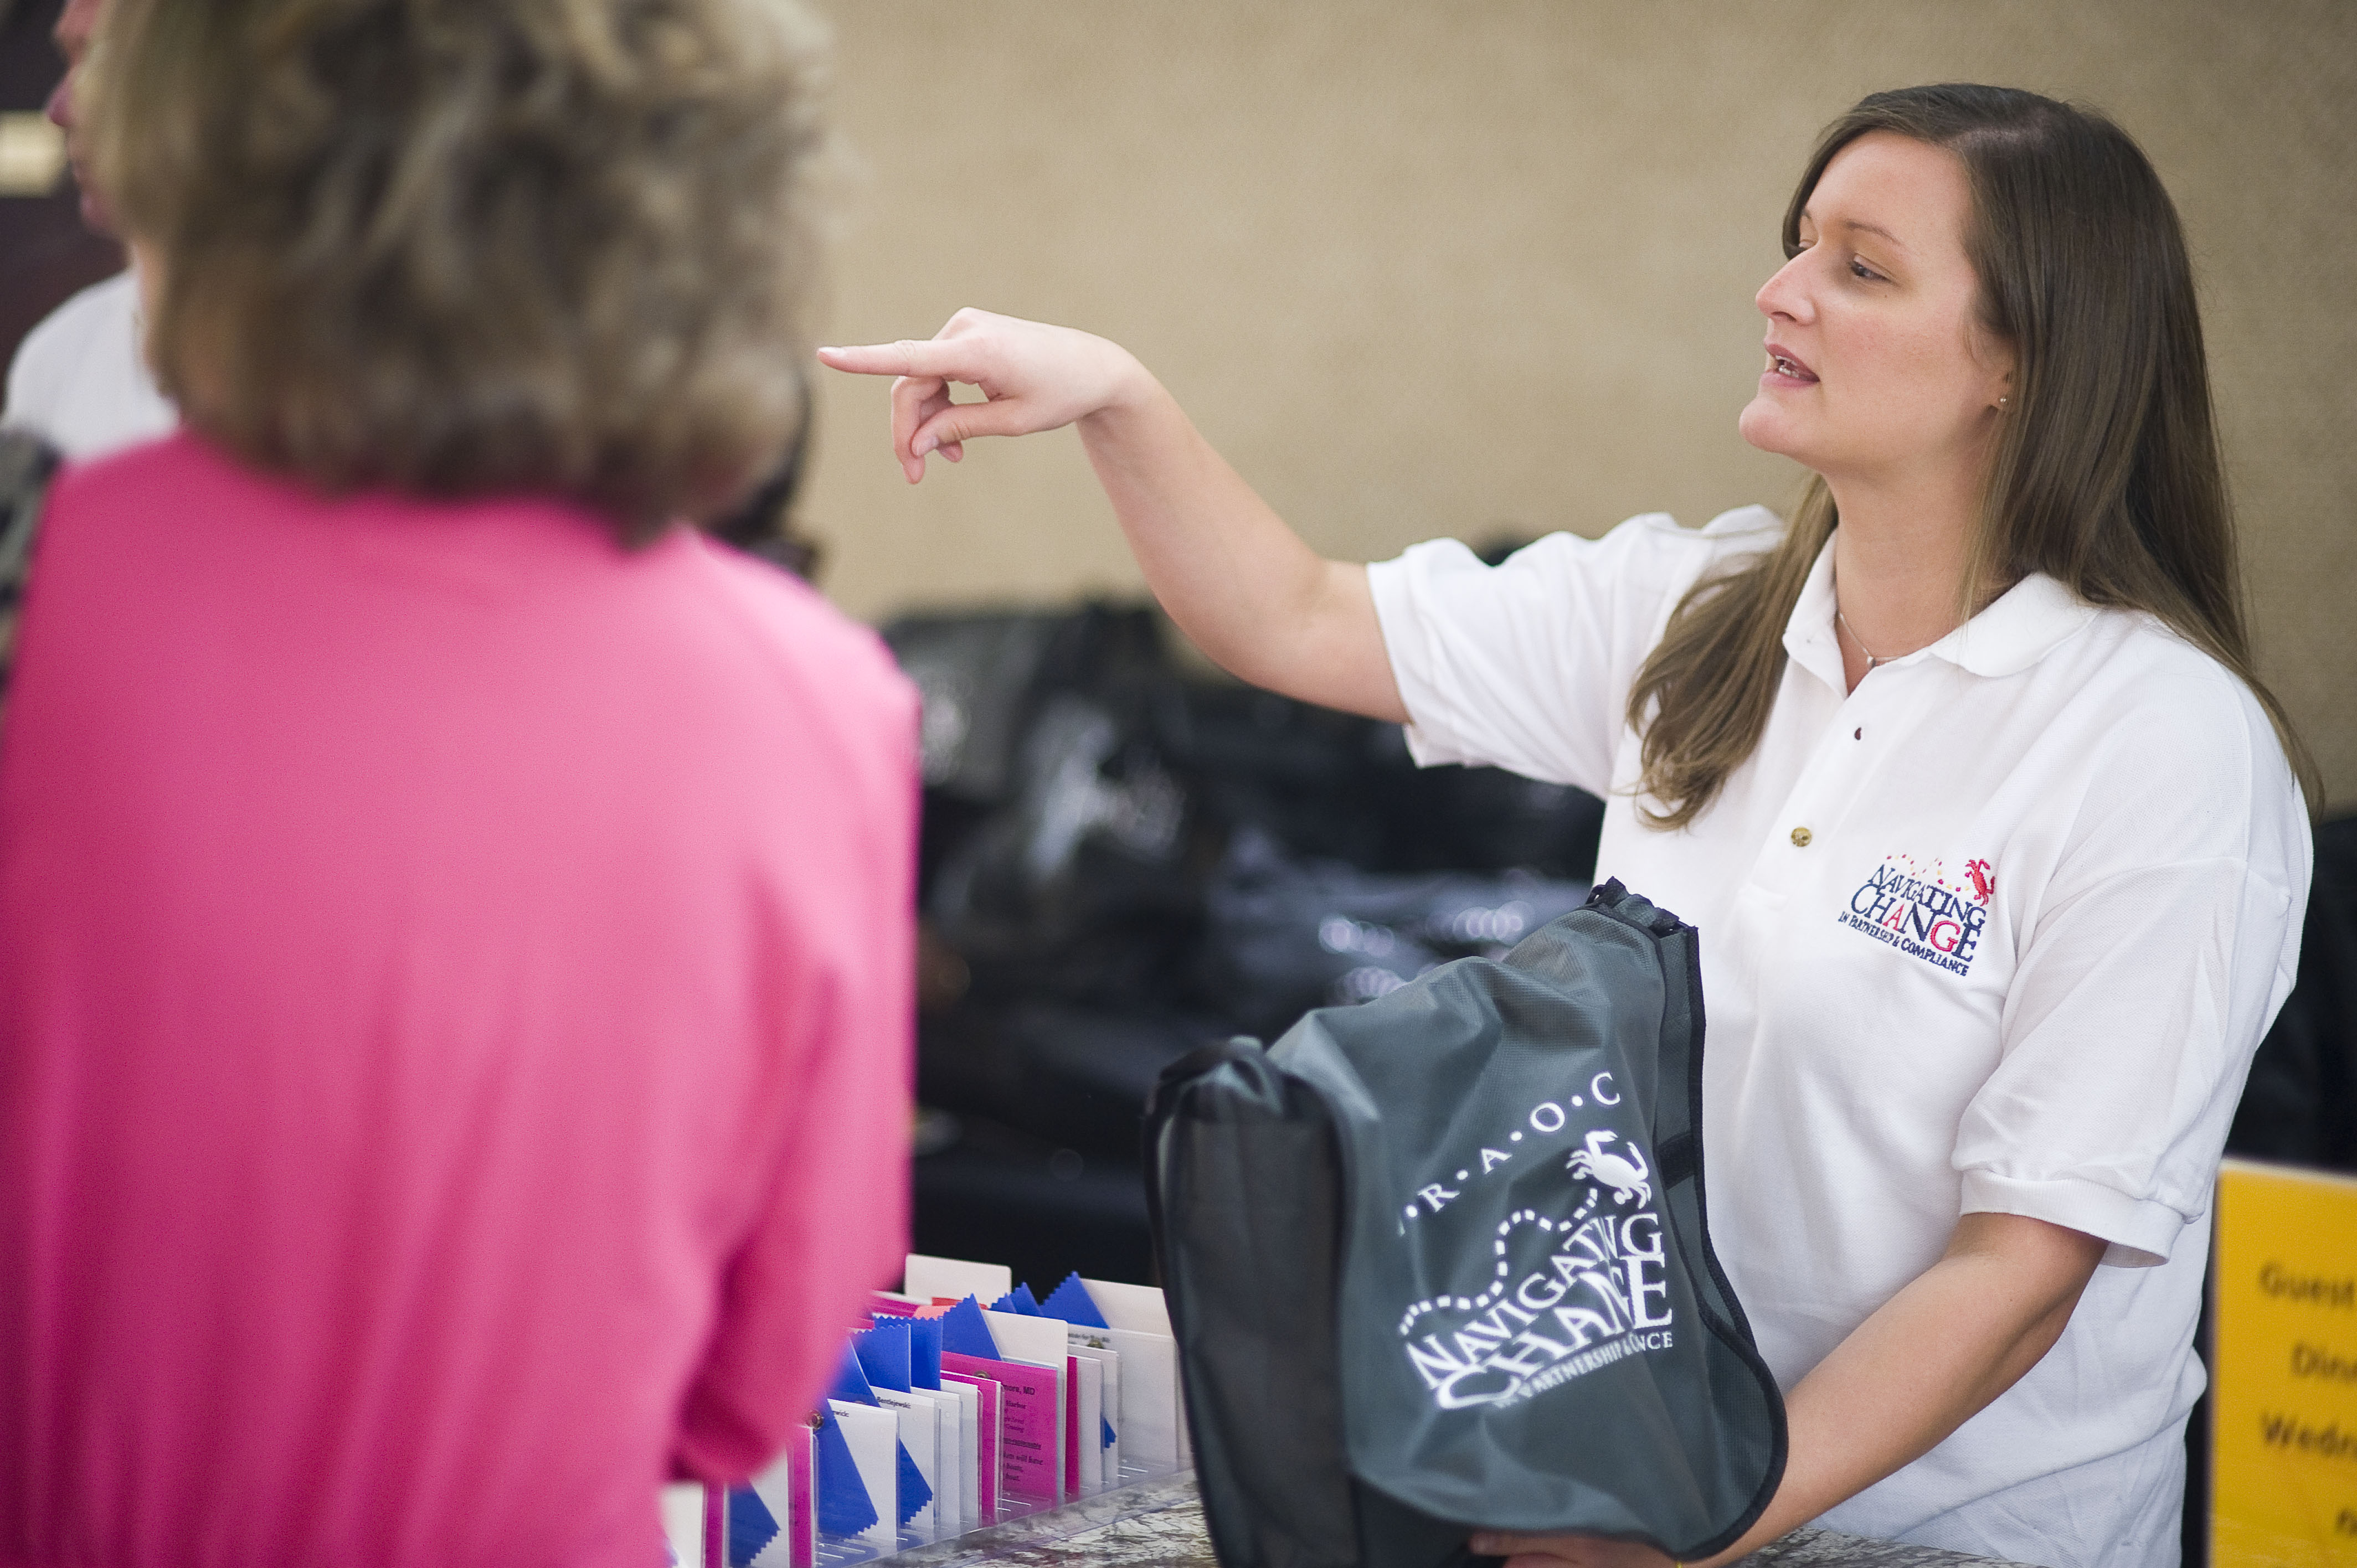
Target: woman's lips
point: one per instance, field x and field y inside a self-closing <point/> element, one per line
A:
<point x="1786" y="370"/>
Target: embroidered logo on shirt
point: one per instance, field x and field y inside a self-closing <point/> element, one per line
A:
<point x="1914" y="910"/>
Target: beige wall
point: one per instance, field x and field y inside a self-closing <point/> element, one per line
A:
<point x="1478" y="268"/>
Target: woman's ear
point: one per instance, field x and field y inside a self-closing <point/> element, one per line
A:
<point x="1996" y="357"/>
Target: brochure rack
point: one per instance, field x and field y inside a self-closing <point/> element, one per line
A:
<point x="950" y="1416"/>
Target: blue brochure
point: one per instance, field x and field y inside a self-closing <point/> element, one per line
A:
<point x="964" y="1332"/>
<point x="883" y="1354"/>
<point x="924" y="1352"/>
<point x="1072" y="1302"/>
<point x="751" y="1525"/>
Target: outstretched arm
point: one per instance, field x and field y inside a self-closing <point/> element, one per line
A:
<point x="1959" y="1334"/>
<point x="1237" y="580"/>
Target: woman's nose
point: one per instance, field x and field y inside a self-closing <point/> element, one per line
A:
<point x="1786" y="292"/>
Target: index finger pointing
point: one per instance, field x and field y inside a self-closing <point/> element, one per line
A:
<point x="906" y="358"/>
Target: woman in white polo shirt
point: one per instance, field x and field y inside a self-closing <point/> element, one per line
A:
<point x="1988" y="827"/>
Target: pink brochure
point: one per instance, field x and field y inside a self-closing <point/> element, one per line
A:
<point x="1071" y="1427"/>
<point x="985" y="1456"/>
<point x="802" y="1506"/>
<point x="1031" y="1437"/>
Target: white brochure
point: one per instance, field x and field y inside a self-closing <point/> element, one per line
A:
<point x="682" y="1504"/>
<point x="969" y="1408"/>
<point x="953" y="1485"/>
<point x="1099" y="1343"/>
<point x="1088" y="1440"/>
<point x="928" y="1277"/>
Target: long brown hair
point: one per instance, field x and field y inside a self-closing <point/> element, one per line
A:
<point x="2106" y="476"/>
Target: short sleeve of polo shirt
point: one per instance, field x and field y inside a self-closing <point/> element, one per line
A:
<point x="2153" y="960"/>
<point x="1527" y="665"/>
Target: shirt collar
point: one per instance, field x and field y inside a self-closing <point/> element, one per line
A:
<point x="2022" y="626"/>
<point x="2027" y="621"/>
<point x="1809" y="635"/>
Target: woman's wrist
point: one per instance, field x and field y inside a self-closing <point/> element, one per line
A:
<point x="1129" y="390"/>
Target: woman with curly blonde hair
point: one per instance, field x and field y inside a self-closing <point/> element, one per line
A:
<point x="455" y="927"/>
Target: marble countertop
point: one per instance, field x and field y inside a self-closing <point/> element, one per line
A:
<point x="1158" y="1521"/>
<point x="1161" y="1523"/>
<point x="1828" y="1548"/>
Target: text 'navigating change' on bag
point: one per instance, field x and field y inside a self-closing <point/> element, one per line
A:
<point x="1439" y="1263"/>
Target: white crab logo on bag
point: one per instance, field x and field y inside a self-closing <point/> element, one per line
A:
<point x="1626" y="1176"/>
<point x="1568" y="1293"/>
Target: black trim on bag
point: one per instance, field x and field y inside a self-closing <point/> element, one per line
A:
<point x="1675" y="1156"/>
<point x="1736" y="1331"/>
<point x="1161" y="1106"/>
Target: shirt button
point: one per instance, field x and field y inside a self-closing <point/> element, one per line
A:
<point x="1800" y="838"/>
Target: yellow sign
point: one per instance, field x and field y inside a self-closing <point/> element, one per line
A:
<point x="2283" y="1395"/>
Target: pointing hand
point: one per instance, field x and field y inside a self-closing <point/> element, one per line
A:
<point x="1032" y="376"/>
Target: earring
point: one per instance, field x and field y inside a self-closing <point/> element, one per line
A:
<point x="2003" y="401"/>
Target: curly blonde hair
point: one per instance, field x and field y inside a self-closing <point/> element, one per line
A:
<point x="459" y="247"/>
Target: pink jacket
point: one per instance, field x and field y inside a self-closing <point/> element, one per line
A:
<point x="455" y="1014"/>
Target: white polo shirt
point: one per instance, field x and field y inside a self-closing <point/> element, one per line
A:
<point x="1997" y="931"/>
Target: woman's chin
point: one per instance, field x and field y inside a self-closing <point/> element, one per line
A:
<point x="1766" y="427"/>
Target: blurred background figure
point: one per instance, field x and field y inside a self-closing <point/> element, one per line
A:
<point x="455" y="942"/>
<point x="80" y="380"/>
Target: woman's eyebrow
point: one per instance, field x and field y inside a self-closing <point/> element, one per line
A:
<point x="1871" y="229"/>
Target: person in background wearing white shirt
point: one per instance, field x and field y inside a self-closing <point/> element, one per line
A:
<point x="80" y="379"/>
<point x="1993" y="838"/>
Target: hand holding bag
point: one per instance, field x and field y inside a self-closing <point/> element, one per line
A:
<point x="1440" y="1261"/>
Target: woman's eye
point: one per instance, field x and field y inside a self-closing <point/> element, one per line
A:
<point x="1859" y="269"/>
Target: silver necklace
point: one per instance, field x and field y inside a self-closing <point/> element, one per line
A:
<point x="1872" y="659"/>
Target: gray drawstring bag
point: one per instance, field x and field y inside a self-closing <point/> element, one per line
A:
<point x="1438" y="1262"/>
